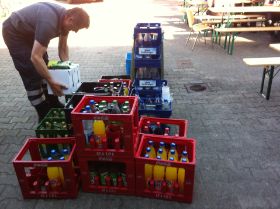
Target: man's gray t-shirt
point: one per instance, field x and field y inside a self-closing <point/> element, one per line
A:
<point x="40" y="22"/>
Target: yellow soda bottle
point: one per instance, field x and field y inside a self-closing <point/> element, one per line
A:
<point x="60" y="170"/>
<point x="161" y="154"/>
<point x="173" y="152"/>
<point x="181" y="176"/>
<point x="153" y="151"/>
<point x="159" y="171"/>
<point x="171" y="176"/>
<point x="184" y="155"/>
<point x="164" y="152"/>
<point x="148" y="172"/>
<point x="53" y="176"/>
<point x="99" y="131"/>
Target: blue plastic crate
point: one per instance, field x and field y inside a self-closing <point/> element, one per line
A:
<point x="128" y="63"/>
<point x="149" y="88"/>
<point x="154" y="107"/>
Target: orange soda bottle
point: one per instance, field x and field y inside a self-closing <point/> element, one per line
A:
<point x="173" y="152"/>
<point x="181" y="176"/>
<point x="171" y="176"/>
<point x="159" y="171"/>
<point x="99" y="131"/>
<point x="148" y="172"/>
<point x="152" y="148"/>
<point x="164" y="152"/>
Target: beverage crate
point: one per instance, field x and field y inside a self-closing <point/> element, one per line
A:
<point x="32" y="170"/>
<point x="153" y="106"/>
<point x="56" y="113"/>
<point x="177" y="127"/>
<point x="69" y="106"/>
<point x="161" y="190"/>
<point x="51" y="130"/>
<point x="97" y="88"/>
<point x="121" y="129"/>
<point x="149" y="88"/>
<point x="110" y="77"/>
<point x="126" y="81"/>
<point x="148" y="49"/>
<point x="108" y="177"/>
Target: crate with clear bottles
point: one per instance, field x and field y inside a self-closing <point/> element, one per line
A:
<point x="53" y="176"/>
<point x="106" y="126"/>
<point x="147" y="53"/>
<point x="154" y="98"/>
<point x="165" y="167"/>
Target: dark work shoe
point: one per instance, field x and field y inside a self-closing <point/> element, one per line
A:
<point x="54" y="101"/>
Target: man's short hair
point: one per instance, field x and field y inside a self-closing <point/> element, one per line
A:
<point x="80" y="17"/>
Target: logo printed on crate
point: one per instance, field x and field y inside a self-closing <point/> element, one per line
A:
<point x="148" y="51"/>
<point x="40" y="165"/>
<point x="147" y="83"/>
<point x="109" y="190"/>
<point x="100" y="118"/>
<point x="163" y="196"/>
<point x="163" y="163"/>
<point x="48" y="195"/>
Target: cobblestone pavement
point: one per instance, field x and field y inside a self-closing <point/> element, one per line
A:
<point x="237" y="130"/>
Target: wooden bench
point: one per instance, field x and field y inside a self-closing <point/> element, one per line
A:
<point x="269" y="64"/>
<point x="233" y="32"/>
<point x="213" y="22"/>
<point x="225" y="17"/>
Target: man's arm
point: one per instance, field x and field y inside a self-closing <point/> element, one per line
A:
<point x="37" y="53"/>
<point x="63" y="48"/>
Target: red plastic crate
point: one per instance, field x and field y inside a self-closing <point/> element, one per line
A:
<point x="129" y="123"/>
<point x="182" y="143"/>
<point x="90" y="165"/>
<point x="127" y="81"/>
<point x="31" y="170"/>
<point x="178" y="126"/>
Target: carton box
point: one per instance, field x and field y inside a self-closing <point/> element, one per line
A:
<point x="68" y="77"/>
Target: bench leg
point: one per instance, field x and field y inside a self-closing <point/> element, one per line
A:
<point x="231" y="47"/>
<point x="225" y="43"/>
<point x="263" y="78"/>
<point x="270" y="73"/>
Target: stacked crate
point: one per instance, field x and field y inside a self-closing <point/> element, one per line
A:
<point x="109" y="167"/>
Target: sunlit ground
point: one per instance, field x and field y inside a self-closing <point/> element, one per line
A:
<point x="112" y="22"/>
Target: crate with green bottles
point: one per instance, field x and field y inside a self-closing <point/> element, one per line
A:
<point x="56" y="113"/>
<point x="106" y="125"/>
<point x="51" y="128"/>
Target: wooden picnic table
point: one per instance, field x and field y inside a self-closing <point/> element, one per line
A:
<point x="269" y="64"/>
<point x="249" y="9"/>
<point x="275" y="46"/>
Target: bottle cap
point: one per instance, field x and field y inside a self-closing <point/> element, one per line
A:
<point x="146" y="156"/>
<point x="184" y="160"/>
<point x="173" y="145"/>
<point x="160" y="151"/>
<point x="148" y="149"/>
<point x="150" y="142"/>
<point x="185" y="153"/>
<point x="65" y="151"/>
<point x="62" y="158"/>
<point x="49" y="158"/>
<point x="171" y="158"/>
<point x="159" y="157"/>
<point x="172" y="151"/>
<point x="91" y="102"/>
<point x="53" y="151"/>
<point x="162" y="144"/>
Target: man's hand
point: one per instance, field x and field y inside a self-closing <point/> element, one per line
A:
<point x="57" y="88"/>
